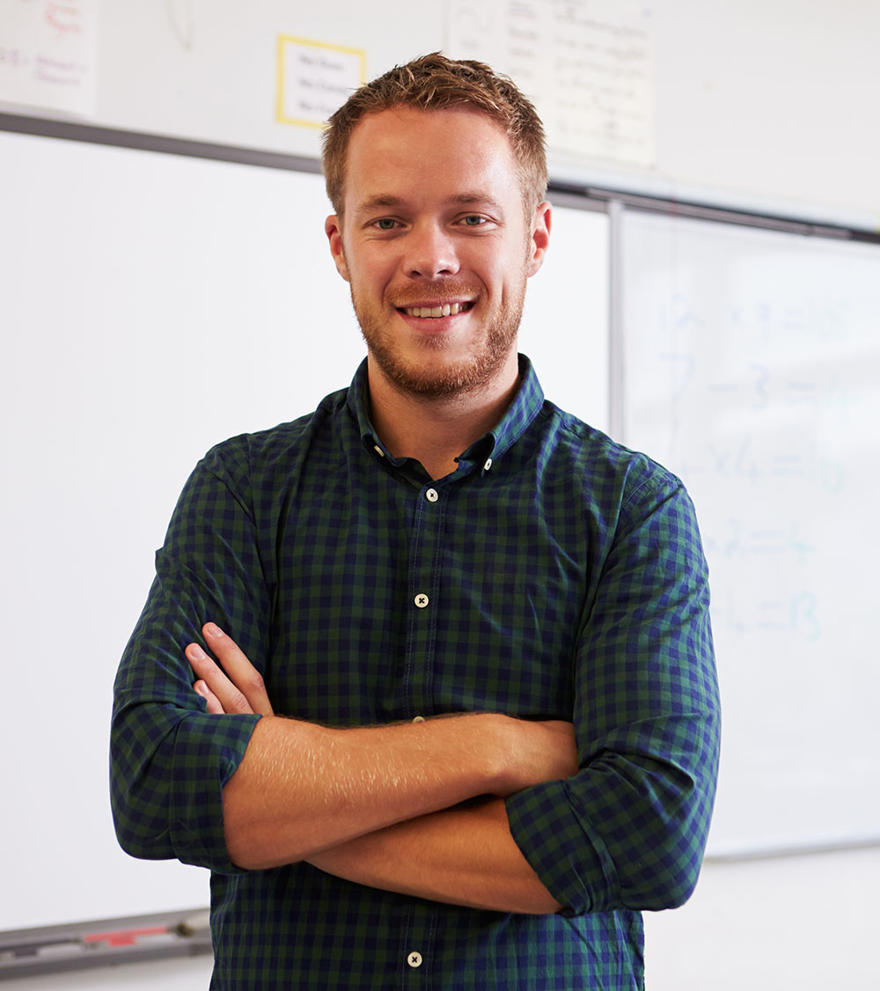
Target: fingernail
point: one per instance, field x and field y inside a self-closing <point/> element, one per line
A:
<point x="212" y="630"/>
<point x="195" y="651"/>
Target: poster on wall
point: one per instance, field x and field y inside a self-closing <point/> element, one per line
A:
<point x="48" y="55"/>
<point x="587" y="66"/>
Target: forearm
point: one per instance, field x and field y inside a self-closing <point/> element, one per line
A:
<point x="302" y="787"/>
<point x="464" y="856"/>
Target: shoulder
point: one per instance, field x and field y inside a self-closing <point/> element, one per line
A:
<point x="631" y="504"/>
<point x="590" y="459"/>
<point x="244" y="457"/>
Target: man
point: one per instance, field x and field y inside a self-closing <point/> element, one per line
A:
<point x="436" y="541"/>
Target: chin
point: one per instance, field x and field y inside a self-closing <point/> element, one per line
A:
<point x="435" y="378"/>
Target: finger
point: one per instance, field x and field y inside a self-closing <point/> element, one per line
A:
<point x="214" y="705"/>
<point x="207" y="670"/>
<point x="243" y="675"/>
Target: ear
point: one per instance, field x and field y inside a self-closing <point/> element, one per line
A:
<point x="333" y="230"/>
<point x="540" y="237"/>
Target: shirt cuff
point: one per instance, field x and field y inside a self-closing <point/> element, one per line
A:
<point x="551" y="838"/>
<point x="207" y="752"/>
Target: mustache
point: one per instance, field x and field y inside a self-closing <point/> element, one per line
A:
<point x="435" y="292"/>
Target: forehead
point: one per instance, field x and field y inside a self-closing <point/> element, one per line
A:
<point x="404" y="151"/>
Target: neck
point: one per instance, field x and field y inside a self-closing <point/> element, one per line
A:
<point x="435" y="430"/>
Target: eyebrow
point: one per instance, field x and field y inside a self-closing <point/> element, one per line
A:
<point x="389" y="201"/>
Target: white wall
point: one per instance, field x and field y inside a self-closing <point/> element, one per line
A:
<point x="807" y="923"/>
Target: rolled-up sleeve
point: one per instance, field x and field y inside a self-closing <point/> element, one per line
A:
<point x="629" y="830"/>
<point x="169" y="759"/>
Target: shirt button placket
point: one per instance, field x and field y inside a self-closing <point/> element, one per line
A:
<point x="415" y="687"/>
<point x="421" y="599"/>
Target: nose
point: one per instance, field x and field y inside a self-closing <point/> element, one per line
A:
<point x="430" y="252"/>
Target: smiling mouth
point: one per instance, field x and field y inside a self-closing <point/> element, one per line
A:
<point x="436" y="312"/>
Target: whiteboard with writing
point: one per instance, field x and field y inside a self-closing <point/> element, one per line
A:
<point x="151" y="306"/>
<point x="752" y="370"/>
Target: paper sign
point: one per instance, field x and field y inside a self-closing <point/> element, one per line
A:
<point x="587" y="66"/>
<point x="48" y="53"/>
<point x="315" y="79"/>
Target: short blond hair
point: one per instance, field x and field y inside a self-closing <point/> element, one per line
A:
<point x="435" y="82"/>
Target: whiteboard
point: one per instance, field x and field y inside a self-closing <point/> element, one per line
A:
<point x="751" y="367"/>
<point x="151" y="306"/>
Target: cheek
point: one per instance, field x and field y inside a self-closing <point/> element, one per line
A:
<point x="372" y="276"/>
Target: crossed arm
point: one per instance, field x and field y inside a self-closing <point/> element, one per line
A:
<point x="382" y="806"/>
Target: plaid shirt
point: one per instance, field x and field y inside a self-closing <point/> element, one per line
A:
<point x="563" y="578"/>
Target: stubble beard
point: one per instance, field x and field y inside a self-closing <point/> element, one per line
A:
<point x="464" y="374"/>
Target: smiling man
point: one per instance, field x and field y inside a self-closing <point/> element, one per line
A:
<point x="455" y="718"/>
<point x="438" y="267"/>
<point x="437" y="240"/>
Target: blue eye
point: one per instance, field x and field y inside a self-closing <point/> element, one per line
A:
<point x="386" y="224"/>
<point x="474" y="220"/>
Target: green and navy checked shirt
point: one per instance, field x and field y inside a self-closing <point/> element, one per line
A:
<point x="553" y="575"/>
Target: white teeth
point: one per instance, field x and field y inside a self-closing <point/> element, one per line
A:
<point x="434" y="312"/>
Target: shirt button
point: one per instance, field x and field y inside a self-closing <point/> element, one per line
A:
<point x="421" y="600"/>
<point x="414" y="960"/>
<point x="488" y="464"/>
<point x="418" y="719"/>
<point x="431" y="495"/>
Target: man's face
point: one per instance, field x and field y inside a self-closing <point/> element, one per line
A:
<point x="436" y="246"/>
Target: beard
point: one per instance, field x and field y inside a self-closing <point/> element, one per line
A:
<point x="442" y="369"/>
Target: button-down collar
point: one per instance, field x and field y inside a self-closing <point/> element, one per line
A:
<point x="486" y="450"/>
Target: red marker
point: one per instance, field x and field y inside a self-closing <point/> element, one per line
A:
<point x="124" y="937"/>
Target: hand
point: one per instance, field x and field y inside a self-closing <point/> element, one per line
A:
<point x="232" y="686"/>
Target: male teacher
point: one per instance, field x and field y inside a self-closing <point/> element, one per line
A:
<point x="455" y="719"/>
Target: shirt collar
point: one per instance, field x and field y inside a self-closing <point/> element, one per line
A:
<point x="486" y="450"/>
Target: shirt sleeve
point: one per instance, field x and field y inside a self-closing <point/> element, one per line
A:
<point x="629" y="830"/>
<point x="169" y="759"/>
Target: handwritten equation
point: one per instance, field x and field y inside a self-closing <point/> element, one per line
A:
<point x="751" y="370"/>
<point x="753" y="390"/>
<point x="784" y="605"/>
